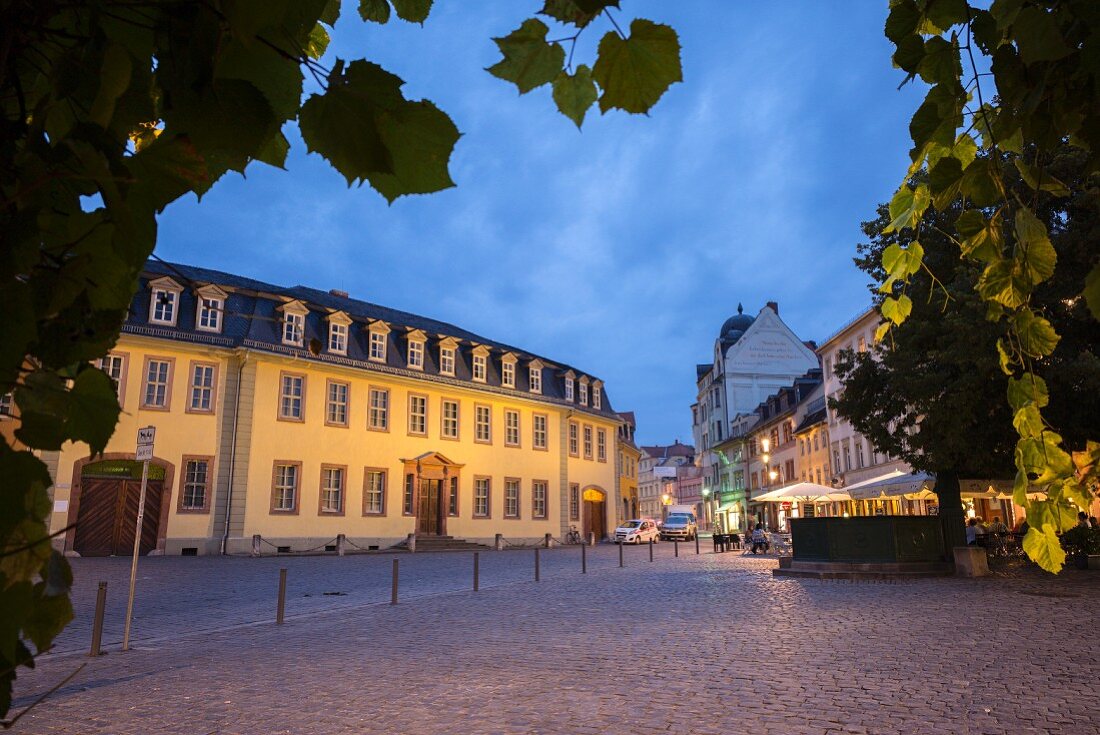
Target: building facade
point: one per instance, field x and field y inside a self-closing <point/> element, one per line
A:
<point x="296" y="415"/>
<point x="657" y="476"/>
<point x="628" y="458"/>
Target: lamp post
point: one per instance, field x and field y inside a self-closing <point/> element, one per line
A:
<point x="706" y="509"/>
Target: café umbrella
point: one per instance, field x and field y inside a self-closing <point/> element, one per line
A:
<point x="805" y="492"/>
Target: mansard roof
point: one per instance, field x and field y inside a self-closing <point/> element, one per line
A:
<point x="253" y="319"/>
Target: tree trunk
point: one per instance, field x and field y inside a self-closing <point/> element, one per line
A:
<point x="952" y="518"/>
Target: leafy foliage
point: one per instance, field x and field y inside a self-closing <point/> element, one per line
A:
<point x="1044" y="67"/>
<point x="111" y="111"/>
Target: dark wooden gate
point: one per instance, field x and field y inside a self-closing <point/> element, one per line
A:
<point x="594" y="521"/>
<point x="107" y="515"/>
<point x="431" y="508"/>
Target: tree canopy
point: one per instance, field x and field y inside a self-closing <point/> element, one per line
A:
<point x="114" y="109"/>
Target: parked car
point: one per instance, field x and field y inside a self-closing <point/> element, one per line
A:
<point x="679" y="526"/>
<point x="637" y="531"/>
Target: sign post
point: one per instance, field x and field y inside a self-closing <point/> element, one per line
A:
<point x="144" y="454"/>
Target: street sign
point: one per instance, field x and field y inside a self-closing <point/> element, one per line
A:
<point x="146" y="435"/>
<point x="143" y="454"/>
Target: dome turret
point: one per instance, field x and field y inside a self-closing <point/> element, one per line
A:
<point x="735" y="326"/>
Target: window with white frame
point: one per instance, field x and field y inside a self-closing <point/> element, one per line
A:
<point x="538" y="498"/>
<point x="508" y="374"/>
<point x="574" y="449"/>
<point x="479" y="367"/>
<point x="447" y="360"/>
<point x="336" y="403"/>
<point x="483" y="424"/>
<point x="374" y="492"/>
<point x="539" y="433"/>
<point x="294" y="329"/>
<point x="407" y="498"/>
<point x="113" y="365"/>
<point x="196" y="480"/>
<point x="536" y="379"/>
<point x="569" y="389"/>
<point x="416" y="354"/>
<point x="481" y="497"/>
<point x="511" y="428"/>
<point x="285" y="490"/>
<point x="418" y="414"/>
<point x="210" y="314"/>
<point x="601" y="445"/>
<point x="449" y="418"/>
<point x="162" y="309"/>
<point x="378" y="415"/>
<point x="597" y="396"/>
<point x="587" y="442"/>
<point x="292" y="390"/>
<point x="584" y="394"/>
<point x="156" y="384"/>
<point x="332" y="489"/>
<point x="377" y="346"/>
<point x="511" y="498"/>
<point x="574" y="502"/>
<point x="338" y="338"/>
<point x="452" y="497"/>
<point x="202" y="388"/>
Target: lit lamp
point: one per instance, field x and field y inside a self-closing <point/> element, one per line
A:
<point x="772" y="474"/>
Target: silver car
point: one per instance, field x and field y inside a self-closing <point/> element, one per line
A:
<point x="680" y="526"/>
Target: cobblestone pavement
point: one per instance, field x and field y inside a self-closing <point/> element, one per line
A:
<point x="697" y="644"/>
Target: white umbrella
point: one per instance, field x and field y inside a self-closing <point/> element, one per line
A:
<point x="805" y="491"/>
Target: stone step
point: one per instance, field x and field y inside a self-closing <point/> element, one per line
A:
<point x="850" y="570"/>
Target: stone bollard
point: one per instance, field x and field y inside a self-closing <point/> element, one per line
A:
<point x="971" y="561"/>
<point x="410" y="543"/>
<point x="255" y="544"/>
<point x="498" y="543"/>
<point x="591" y="538"/>
<point x="549" y="541"/>
<point x="341" y="541"/>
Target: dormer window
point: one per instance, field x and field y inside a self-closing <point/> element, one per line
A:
<point x="480" y="363"/>
<point x="597" y="395"/>
<point x="447" y="348"/>
<point x="534" y="377"/>
<point x="164" y="302"/>
<point x="508" y="371"/>
<point x="569" y="386"/>
<point x="414" y="358"/>
<point x="339" y="325"/>
<point x="294" y="329"/>
<point x="584" y="393"/>
<point x="379" y="335"/>
<point x="209" y="309"/>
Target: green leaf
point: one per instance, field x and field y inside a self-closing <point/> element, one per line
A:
<point x="575" y="93"/>
<point x="1034" y="251"/>
<point x="318" y="43"/>
<point x="1028" y="421"/>
<point x="944" y="181"/>
<point x="374" y="11"/>
<point x="946" y="13"/>
<point x="1005" y="357"/>
<point x="1092" y="291"/>
<point x="636" y="71"/>
<point x="420" y="137"/>
<point x="900" y="263"/>
<point x="1044" y="548"/>
<point x="896" y="310"/>
<point x="1026" y="390"/>
<point x="114" y="78"/>
<point x="413" y="11"/>
<point x="1037" y="336"/>
<point x="529" y="61"/>
<point x="981" y="183"/>
<point x="1003" y="282"/>
<point x="881" y="330"/>
<point x="331" y="13"/>
<point x="274" y="153"/>
<point x="940" y="63"/>
<point x="902" y="20"/>
<point x="578" y="13"/>
<point x="1038" y="36"/>
<point x="907" y="207"/>
<point x="93" y="409"/>
<point x="910" y="51"/>
<point x="1040" y="180"/>
<point x="939" y="116"/>
<point x="982" y="239"/>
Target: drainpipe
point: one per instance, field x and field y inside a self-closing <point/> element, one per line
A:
<point x="243" y="355"/>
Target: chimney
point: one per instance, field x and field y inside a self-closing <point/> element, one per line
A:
<point x="774" y="306"/>
<point x="338" y="292"/>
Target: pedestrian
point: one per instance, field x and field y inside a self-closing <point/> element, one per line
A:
<point x="972" y="532"/>
<point x="1093" y="523"/>
<point x="997" y="526"/>
<point x="1082" y="519"/>
<point x="759" y="539"/>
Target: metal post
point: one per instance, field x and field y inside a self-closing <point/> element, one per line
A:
<point x="591" y="538"/>
<point x="393" y="592"/>
<point x="651" y="549"/>
<point x="341" y="541"/>
<point x="697" y="544"/>
<point x="97" y="626"/>
<point x="548" y="541"/>
<point x="584" y="559"/>
<point x="280" y="610"/>
<point x="536" y="565"/>
<point x="621" y="545"/>
<point x="137" y="548"/>
<point x="676" y="546"/>
<point x="476" y="571"/>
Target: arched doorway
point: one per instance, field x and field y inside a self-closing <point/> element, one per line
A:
<point x="595" y="512"/>
<point x="105" y="504"/>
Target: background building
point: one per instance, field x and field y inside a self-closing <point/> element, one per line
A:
<point x="657" y="476"/>
<point x="628" y="457"/>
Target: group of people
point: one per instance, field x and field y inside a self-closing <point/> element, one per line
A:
<point x="977" y="531"/>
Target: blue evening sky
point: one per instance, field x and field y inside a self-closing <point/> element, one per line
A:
<point x="620" y="249"/>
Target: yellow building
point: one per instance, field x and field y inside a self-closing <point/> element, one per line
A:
<point x="628" y="457"/>
<point x="297" y="415"/>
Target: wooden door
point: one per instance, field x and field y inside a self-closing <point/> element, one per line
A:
<point x="594" y="521"/>
<point x="430" y="507"/>
<point x="108" y="513"/>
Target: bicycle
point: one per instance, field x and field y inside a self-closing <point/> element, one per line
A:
<point x="574" y="536"/>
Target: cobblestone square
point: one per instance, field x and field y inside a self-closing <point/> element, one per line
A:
<point x="695" y="644"/>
